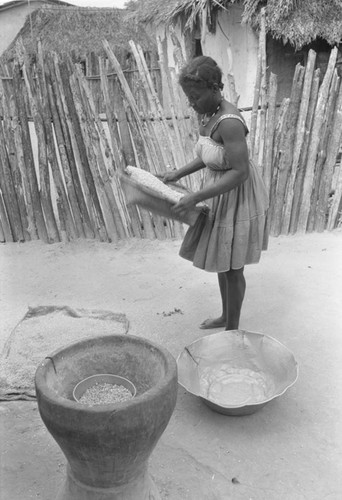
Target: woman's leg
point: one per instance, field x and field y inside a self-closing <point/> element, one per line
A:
<point x="236" y="291"/>
<point x="221" y="320"/>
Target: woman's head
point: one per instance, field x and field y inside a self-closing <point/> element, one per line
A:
<point x="202" y="72"/>
<point x="201" y="81"/>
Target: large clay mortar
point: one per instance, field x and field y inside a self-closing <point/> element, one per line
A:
<point x="108" y="446"/>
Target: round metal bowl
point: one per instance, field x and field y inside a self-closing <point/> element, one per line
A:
<point x="102" y="378"/>
<point x="236" y="372"/>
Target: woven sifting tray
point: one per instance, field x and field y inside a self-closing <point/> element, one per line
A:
<point x="148" y="191"/>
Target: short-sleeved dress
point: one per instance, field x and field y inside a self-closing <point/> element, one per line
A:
<point x="234" y="232"/>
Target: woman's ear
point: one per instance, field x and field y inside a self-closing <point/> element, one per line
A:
<point x="216" y="87"/>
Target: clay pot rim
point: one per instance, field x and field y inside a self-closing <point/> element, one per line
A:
<point x="50" y="395"/>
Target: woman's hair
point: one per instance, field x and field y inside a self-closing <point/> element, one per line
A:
<point x="202" y="71"/>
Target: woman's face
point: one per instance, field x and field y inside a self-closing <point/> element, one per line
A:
<point x="200" y="99"/>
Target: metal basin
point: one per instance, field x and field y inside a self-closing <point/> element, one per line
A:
<point x="236" y="372"/>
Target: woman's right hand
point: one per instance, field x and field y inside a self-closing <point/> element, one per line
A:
<point x="170" y="176"/>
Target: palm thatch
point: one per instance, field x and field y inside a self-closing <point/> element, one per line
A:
<point x="297" y="22"/>
<point x="186" y="11"/>
<point x="79" y="31"/>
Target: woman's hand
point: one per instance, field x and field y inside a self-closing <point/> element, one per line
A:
<point x="185" y="204"/>
<point x="170" y="176"/>
<point x="177" y="174"/>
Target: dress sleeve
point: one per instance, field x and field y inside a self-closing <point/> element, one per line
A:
<point x="227" y="116"/>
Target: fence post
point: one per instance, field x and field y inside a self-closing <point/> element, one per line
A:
<point x="314" y="142"/>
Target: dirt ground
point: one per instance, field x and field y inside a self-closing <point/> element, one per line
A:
<point x="290" y="450"/>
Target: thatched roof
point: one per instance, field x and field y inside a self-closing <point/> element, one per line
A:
<point x="187" y="11"/>
<point x="298" y="22"/>
<point x="79" y="30"/>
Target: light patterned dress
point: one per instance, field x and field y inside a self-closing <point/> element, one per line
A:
<point x="234" y="232"/>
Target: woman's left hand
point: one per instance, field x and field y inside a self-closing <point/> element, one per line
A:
<point x="185" y="204"/>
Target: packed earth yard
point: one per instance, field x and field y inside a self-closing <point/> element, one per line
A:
<point x="289" y="450"/>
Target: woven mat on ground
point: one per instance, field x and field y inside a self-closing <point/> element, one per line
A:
<point x="43" y="330"/>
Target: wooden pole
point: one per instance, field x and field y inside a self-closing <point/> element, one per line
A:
<point x="7" y="141"/>
<point x="270" y="130"/>
<point x="299" y="139"/>
<point x="105" y="161"/>
<point x="111" y="120"/>
<point x="179" y="125"/>
<point x="143" y="131"/>
<point x="148" y="124"/>
<point x="79" y="148"/>
<point x="233" y="95"/>
<point x="258" y="80"/>
<point x="5" y="227"/>
<point x="133" y="217"/>
<point x="153" y="225"/>
<point x="164" y="133"/>
<point x="18" y="151"/>
<point x="9" y="195"/>
<point x="19" y="95"/>
<point x="260" y="152"/>
<point x="114" y="161"/>
<point x="298" y="184"/>
<point x="277" y="153"/>
<point x="62" y="202"/>
<point x="260" y="144"/>
<point x="165" y="137"/>
<point x="286" y="148"/>
<point x="326" y="131"/>
<point x="314" y="142"/>
<point x="334" y="146"/>
<point x="103" y="188"/>
<point x="2" y="234"/>
<point x="44" y="177"/>
<point x="140" y="131"/>
<point x="149" y="230"/>
<point x="85" y="202"/>
<point x="67" y="158"/>
<point x="73" y="224"/>
<point x="181" y="160"/>
<point x="335" y="217"/>
<point x="85" y="224"/>
<point x="120" y="106"/>
<point x="255" y="109"/>
<point x="123" y="132"/>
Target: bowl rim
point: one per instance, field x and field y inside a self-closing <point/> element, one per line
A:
<point x="243" y="405"/>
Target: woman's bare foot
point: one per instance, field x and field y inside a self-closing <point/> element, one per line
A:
<point x="213" y="323"/>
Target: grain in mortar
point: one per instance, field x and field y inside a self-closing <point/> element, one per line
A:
<point x="100" y="394"/>
<point x="148" y="180"/>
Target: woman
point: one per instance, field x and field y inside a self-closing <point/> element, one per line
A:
<point x="234" y="232"/>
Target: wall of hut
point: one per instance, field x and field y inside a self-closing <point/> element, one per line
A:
<point x="65" y="136"/>
<point x="11" y="20"/>
<point x="233" y="45"/>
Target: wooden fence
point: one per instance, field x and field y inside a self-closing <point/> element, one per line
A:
<point x="71" y="190"/>
<point x="298" y="146"/>
<point x="87" y="129"/>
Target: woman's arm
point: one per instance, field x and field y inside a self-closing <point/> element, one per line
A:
<point x="232" y="134"/>
<point x="189" y="168"/>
